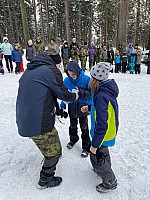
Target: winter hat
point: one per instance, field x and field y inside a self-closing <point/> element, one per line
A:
<point x="73" y="66"/>
<point x="5" y="38"/>
<point x="56" y="58"/>
<point x="100" y="71"/>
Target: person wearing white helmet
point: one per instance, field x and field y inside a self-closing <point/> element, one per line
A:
<point x="7" y="49"/>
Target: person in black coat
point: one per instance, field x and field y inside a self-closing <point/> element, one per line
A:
<point x="39" y="87"/>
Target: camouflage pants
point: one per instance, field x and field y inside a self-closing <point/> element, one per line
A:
<point x="48" y="143"/>
<point x="91" y="63"/>
<point x="83" y="64"/>
<point x="65" y="62"/>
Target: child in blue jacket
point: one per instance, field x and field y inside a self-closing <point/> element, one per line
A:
<point x="104" y="108"/>
<point x="17" y="58"/>
<point x="77" y="79"/>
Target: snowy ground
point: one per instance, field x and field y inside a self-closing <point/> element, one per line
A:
<point x="20" y="160"/>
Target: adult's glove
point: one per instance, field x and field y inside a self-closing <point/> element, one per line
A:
<point x="62" y="113"/>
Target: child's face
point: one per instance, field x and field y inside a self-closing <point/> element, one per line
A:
<point x="16" y="47"/>
<point x="72" y="75"/>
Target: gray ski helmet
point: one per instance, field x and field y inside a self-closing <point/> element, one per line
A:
<point x="101" y="71"/>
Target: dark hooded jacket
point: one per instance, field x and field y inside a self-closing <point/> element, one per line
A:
<point x="39" y="87"/>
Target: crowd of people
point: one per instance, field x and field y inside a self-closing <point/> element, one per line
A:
<point x="42" y="84"/>
<point x="124" y="60"/>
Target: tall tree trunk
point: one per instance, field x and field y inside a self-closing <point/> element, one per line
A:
<point x="122" y="23"/>
<point x="42" y="24"/>
<point x="148" y="43"/>
<point x="35" y="18"/>
<point x="5" y="19"/>
<point x="79" y="24"/>
<point x="137" y="22"/>
<point x="24" y="21"/>
<point x="48" y="20"/>
<point x="11" y="29"/>
<point x="67" y="22"/>
<point x="105" y="26"/>
<point x="56" y="23"/>
<point x="16" y="32"/>
<point x="90" y="24"/>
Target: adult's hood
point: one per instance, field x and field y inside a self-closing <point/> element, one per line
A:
<point x="40" y="59"/>
<point x="130" y="45"/>
<point x="110" y="87"/>
<point x="5" y="38"/>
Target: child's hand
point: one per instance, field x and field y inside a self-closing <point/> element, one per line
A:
<point x="93" y="150"/>
<point x="84" y="109"/>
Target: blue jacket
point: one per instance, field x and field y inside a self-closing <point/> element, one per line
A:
<point x="118" y="59"/>
<point x="104" y="114"/>
<point x="129" y="49"/>
<point x="82" y="82"/>
<point x="39" y="87"/>
<point x="16" y="55"/>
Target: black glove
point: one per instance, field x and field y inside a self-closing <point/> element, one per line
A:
<point x="62" y="113"/>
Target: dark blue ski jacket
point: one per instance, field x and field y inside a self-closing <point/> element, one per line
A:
<point x="39" y="87"/>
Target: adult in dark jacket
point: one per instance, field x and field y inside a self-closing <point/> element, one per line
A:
<point x="30" y="51"/>
<point x="77" y="79"/>
<point x="65" y="54"/>
<point x="39" y="87"/>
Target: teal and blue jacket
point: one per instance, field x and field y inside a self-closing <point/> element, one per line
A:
<point x="104" y="114"/>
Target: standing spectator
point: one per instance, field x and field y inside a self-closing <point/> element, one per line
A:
<point x="124" y="62"/>
<point x="30" y="51"/>
<point x="110" y="55"/>
<point x="98" y="54"/>
<point x="104" y="54"/>
<point x="129" y="51"/>
<point x="148" y="63"/>
<point x="105" y="92"/>
<point x="138" y="60"/>
<point x="133" y="59"/>
<point x="83" y="55"/>
<point x="77" y="78"/>
<point x="6" y="49"/>
<point x="73" y="44"/>
<point x="39" y="87"/>
<point x="53" y="47"/>
<point x="117" y="62"/>
<point x="92" y="54"/>
<point x="39" y="45"/>
<point x="22" y="52"/>
<point x="17" y="58"/>
<point x="1" y="63"/>
<point x="120" y="49"/>
<point x="74" y="50"/>
<point x="65" y="54"/>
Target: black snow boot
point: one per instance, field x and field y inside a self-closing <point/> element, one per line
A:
<point x="48" y="183"/>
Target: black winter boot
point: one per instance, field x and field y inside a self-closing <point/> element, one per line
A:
<point x="51" y="182"/>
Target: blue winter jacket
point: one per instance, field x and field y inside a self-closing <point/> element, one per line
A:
<point x="129" y="49"/>
<point x="16" y="55"/>
<point x="117" y="59"/>
<point x="82" y="82"/>
<point x="106" y="114"/>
